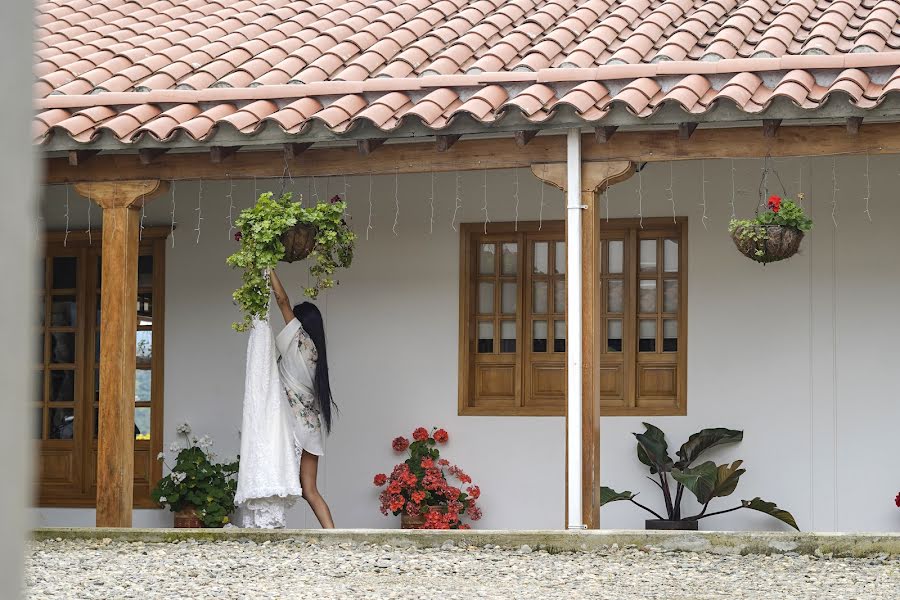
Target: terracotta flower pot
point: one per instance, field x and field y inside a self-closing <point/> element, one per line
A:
<point x="418" y="521"/>
<point x="298" y="242"/>
<point x="666" y="525"/>
<point x="780" y="243"/>
<point x="187" y="518"/>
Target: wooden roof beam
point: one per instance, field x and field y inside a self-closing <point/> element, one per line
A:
<point x="853" y="125"/>
<point x="218" y="154"/>
<point x="78" y="157"/>
<point x="523" y="137"/>
<point x="604" y="134"/>
<point x="367" y="147"/>
<point x="686" y="130"/>
<point x="292" y="151"/>
<point x="445" y="142"/>
<point x="770" y="127"/>
<point x="149" y="155"/>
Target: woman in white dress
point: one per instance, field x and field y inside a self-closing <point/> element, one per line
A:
<point x="303" y="367"/>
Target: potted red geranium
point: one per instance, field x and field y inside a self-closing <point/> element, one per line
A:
<point x="772" y="235"/>
<point x="418" y="489"/>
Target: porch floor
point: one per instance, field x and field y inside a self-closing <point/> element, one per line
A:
<point x="449" y="566"/>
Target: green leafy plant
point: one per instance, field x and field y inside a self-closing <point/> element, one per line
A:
<point x="196" y="481"/>
<point x="780" y="212"/>
<point x="260" y="228"/>
<point x="706" y="481"/>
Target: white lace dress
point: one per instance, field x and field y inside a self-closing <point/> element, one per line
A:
<point x="297" y="367"/>
<point x="268" y="480"/>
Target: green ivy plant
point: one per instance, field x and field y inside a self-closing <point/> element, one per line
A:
<point x="785" y="213"/>
<point x="706" y="481"/>
<point x="260" y="228"/>
<point x="195" y="480"/>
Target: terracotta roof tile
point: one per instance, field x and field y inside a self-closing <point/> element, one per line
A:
<point x="198" y="63"/>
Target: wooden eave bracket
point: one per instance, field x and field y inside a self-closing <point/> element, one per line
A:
<point x="368" y="146"/>
<point x="445" y="142"/>
<point x="218" y="154"/>
<point x="149" y="155"/>
<point x="292" y="151"/>
<point x="853" y="125"/>
<point x="79" y="157"/>
<point x="770" y="127"/>
<point x="605" y="133"/>
<point x="686" y="130"/>
<point x="523" y="137"/>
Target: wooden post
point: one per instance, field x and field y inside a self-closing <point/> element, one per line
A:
<point x="595" y="177"/>
<point x="118" y="326"/>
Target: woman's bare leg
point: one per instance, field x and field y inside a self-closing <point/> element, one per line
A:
<point x="309" y="469"/>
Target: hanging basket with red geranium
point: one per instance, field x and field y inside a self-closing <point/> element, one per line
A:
<point x="418" y="489"/>
<point x="772" y="235"/>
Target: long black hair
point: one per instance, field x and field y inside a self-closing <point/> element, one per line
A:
<point x="311" y="319"/>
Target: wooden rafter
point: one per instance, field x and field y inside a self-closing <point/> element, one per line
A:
<point x="218" y="154"/>
<point x="494" y="153"/>
<point x="367" y="147"/>
<point x="686" y="130"/>
<point x="149" y="155"/>
<point x="770" y="127"/>
<point x="292" y="151"/>
<point x="853" y="125"/>
<point x="445" y="142"/>
<point x="78" y="157"/>
<point x="523" y="137"/>
<point x="604" y="134"/>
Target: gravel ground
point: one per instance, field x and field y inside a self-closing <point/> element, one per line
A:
<point x="89" y="569"/>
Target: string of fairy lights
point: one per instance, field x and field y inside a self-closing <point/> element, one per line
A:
<point x="668" y="184"/>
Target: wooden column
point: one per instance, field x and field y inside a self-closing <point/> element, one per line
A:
<point x="595" y="177"/>
<point x="120" y="202"/>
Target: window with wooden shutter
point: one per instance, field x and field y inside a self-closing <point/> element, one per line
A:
<point x="642" y="317"/>
<point x="512" y="318"/>
<point x="67" y="395"/>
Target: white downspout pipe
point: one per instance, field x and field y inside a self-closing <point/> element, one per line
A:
<point x="573" y="306"/>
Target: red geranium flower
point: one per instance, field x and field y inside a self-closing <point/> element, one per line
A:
<point x="336" y="198"/>
<point x="427" y="463"/>
<point x="420" y="434"/>
<point x="897" y="500"/>
<point x="417" y="497"/>
<point x="774" y="203"/>
<point x="475" y="492"/>
<point x="394" y="488"/>
<point x="400" y="444"/>
<point x="441" y="436"/>
<point x="380" y="479"/>
<point x="238" y="236"/>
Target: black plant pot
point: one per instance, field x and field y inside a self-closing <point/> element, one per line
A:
<point x="666" y="525"/>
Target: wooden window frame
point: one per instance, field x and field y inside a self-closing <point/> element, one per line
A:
<point x="632" y="363"/>
<point x="81" y="491"/>
<point x="525" y="401"/>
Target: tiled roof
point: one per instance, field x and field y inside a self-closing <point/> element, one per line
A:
<point x="189" y="71"/>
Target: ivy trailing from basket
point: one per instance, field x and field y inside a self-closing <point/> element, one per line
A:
<point x="774" y="234"/>
<point x="260" y="231"/>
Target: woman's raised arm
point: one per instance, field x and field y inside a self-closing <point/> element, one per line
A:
<point x="281" y="297"/>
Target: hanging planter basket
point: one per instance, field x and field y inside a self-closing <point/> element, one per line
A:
<point x="767" y="243"/>
<point x="298" y="241"/>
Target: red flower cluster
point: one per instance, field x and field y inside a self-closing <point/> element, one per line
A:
<point x="336" y="198"/>
<point x="897" y="500"/>
<point x="774" y="203"/>
<point x="238" y="236"/>
<point x="419" y="485"/>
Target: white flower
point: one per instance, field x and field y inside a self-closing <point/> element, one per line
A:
<point x="204" y="442"/>
<point x="162" y="499"/>
<point x="160" y="456"/>
<point x="183" y="429"/>
<point x="178" y="477"/>
<point x="174" y="447"/>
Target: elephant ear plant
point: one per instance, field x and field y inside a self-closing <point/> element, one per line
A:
<point x="706" y="480"/>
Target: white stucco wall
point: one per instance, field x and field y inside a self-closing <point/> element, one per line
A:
<point x="799" y="354"/>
